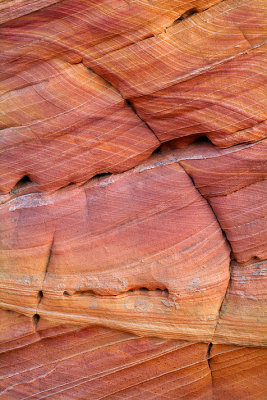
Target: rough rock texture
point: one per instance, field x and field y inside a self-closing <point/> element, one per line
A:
<point x="141" y="257"/>
<point x="133" y="200"/>
<point x="104" y="363"/>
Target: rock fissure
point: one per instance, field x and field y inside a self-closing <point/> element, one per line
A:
<point x="127" y="101"/>
<point x="184" y="16"/>
<point x="117" y="277"/>
<point x="202" y="70"/>
<point x="229" y="245"/>
<point x="136" y="291"/>
<point x="130" y="104"/>
<point x="223" y="232"/>
<point x="18" y="192"/>
<point x="40" y="293"/>
<point x="209" y="364"/>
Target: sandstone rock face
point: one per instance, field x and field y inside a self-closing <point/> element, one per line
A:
<point x="133" y="200"/>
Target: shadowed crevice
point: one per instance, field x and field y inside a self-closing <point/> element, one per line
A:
<point x="130" y="104"/>
<point x="187" y="14"/>
<point x="40" y="294"/>
<point x="163" y="148"/>
<point x="127" y="101"/>
<point x="25" y="181"/>
<point x="35" y="319"/>
<point x="209" y="364"/>
<point x="226" y="240"/>
<point x="49" y="257"/>
<point x="139" y="291"/>
<point x="207" y="200"/>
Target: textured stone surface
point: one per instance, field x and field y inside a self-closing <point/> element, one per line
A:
<point x="238" y="372"/>
<point x="65" y="125"/>
<point x="111" y="364"/>
<point x="235" y="185"/>
<point x="140" y="267"/>
<point x="133" y="200"/>
<point x="243" y="316"/>
<point x="101" y="362"/>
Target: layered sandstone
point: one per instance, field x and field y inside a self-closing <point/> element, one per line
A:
<point x="133" y="200"/>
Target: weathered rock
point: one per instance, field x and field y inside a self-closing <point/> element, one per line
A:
<point x="139" y="283"/>
<point x="55" y="142"/>
<point x="192" y="107"/>
<point x="242" y="216"/>
<point x="103" y="362"/>
<point x="191" y="79"/>
<point x="243" y="316"/>
<point x="16" y="330"/>
<point x="140" y="267"/>
<point x="238" y="372"/>
<point x="235" y="184"/>
<point x="228" y="170"/>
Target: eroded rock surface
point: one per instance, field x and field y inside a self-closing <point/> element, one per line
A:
<point x="133" y="200"/>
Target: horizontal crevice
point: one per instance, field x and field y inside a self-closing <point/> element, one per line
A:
<point x="163" y="148"/>
<point x="140" y="291"/>
<point x="185" y="15"/>
<point x="183" y="142"/>
<point x="102" y="175"/>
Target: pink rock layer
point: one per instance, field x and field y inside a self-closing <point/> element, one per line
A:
<point x="107" y="363"/>
<point x="140" y="267"/>
<point x="126" y="274"/>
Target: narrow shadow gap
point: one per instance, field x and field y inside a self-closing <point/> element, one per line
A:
<point x="21" y="184"/>
<point x="35" y="319"/>
<point x="209" y="363"/>
<point x="141" y="290"/>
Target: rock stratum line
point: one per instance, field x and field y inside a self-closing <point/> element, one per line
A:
<point x="133" y="200"/>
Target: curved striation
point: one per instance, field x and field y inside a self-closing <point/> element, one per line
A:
<point x="226" y="103"/>
<point x="229" y="171"/>
<point x="242" y="317"/>
<point x="103" y="262"/>
<point x="235" y="185"/>
<point x="196" y="78"/>
<point x="104" y="267"/>
<point x="238" y="372"/>
<point x="63" y="124"/>
<point x="242" y="216"/>
<point x="104" y="363"/>
<point x="80" y="28"/>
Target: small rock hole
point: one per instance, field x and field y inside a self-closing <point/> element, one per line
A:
<point x="103" y="175"/>
<point x="143" y="289"/>
<point x="24" y="181"/>
<point x="188" y="14"/>
<point x="36" y="319"/>
<point x="65" y="293"/>
<point x="157" y="150"/>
